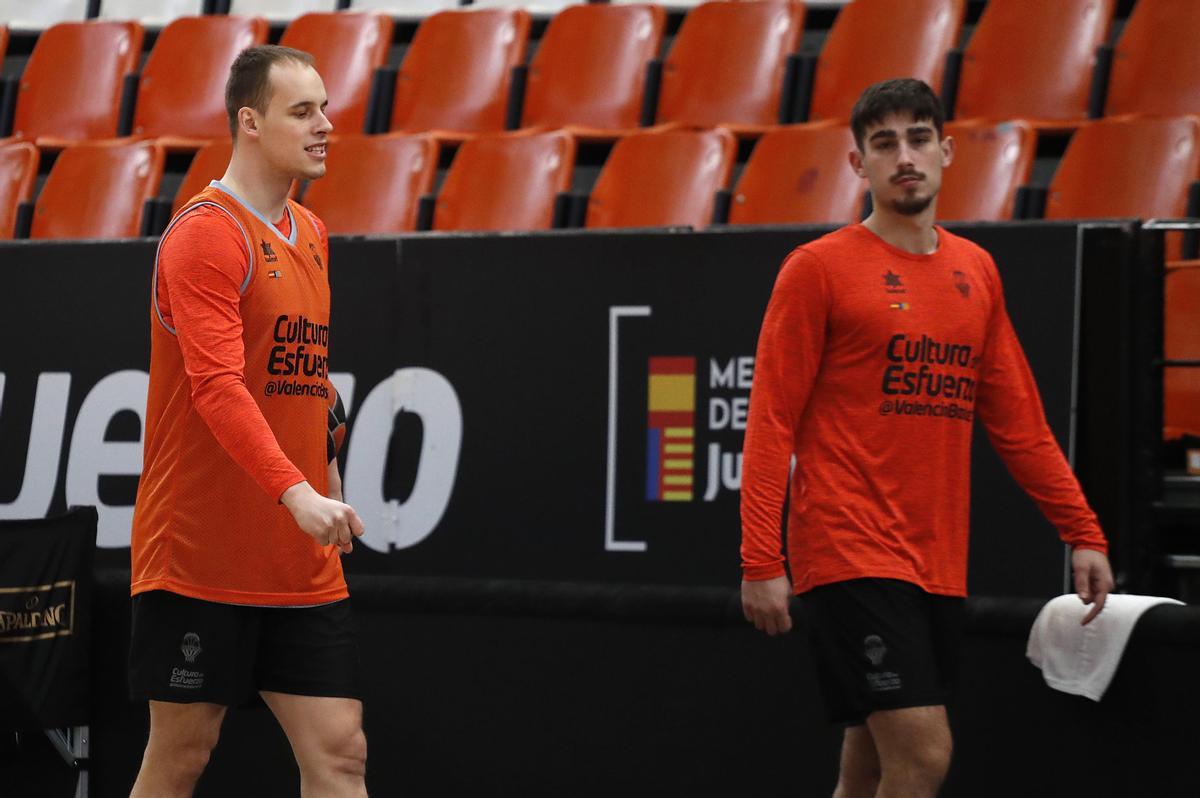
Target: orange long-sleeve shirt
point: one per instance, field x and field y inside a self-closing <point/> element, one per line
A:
<point x="871" y="365"/>
<point x="236" y="411"/>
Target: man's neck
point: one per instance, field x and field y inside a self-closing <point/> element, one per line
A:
<point x="914" y="234"/>
<point x="264" y="189"/>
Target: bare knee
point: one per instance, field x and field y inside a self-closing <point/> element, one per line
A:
<point x="338" y="755"/>
<point x="180" y="754"/>
<point x="860" y="772"/>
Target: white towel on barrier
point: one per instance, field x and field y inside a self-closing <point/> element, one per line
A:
<point x="1082" y="660"/>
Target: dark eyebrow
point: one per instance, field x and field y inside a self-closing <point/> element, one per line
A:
<point x="912" y="131"/>
<point x="883" y="134"/>
<point x="306" y="103"/>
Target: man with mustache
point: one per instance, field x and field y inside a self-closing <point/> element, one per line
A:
<point x="880" y="343"/>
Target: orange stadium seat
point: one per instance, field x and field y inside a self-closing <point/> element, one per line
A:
<point x="71" y="88"/>
<point x="374" y="183"/>
<point x="799" y="173"/>
<point x="347" y="48"/>
<point x="1128" y="167"/>
<point x="662" y="178"/>
<point x="98" y="190"/>
<point x="1033" y="60"/>
<point x="3" y="40"/>
<point x="991" y="161"/>
<point x="727" y="65"/>
<point x="931" y="29"/>
<point x="506" y="182"/>
<point x="18" y="170"/>
<point x="456" y="76"/>
<point x="590" y="68"/>
<point x="1156" y="63"/>
<point x="1181" y="341"/>
<point x="209" y="164"/>
<point x="181" y="97"/>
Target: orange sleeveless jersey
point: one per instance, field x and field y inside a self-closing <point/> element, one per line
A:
<point x="208" y="522"/>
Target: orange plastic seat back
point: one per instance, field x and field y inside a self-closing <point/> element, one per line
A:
<point x="71" y="87"/>
<point x="1033" y="60"/>
<point x="991" y="161"/>
<point x="844" y="69"/>
<point x="1181" y="341"/>
<point x="18" y="169"/>
<point x="728" y="62"/>
<point x="1156" y="63"/>
<point x="1126" y="167"/>
<point x="208" y="164"/>
<point x="373" y="183"/>
<point x="799" y="173"/>
<point x="97" y="190"/>
<point x="590" y="68"/>
<point x="662" y="179"/>
<point x="505" y="182"/>
<point x="347" y="48"/>
<point x="457" y="72"/>
<point x="182" y="91"/>
<point x="3" y="40"/>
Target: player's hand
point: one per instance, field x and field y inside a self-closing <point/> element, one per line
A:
<point x="1093" y="579"/>
<point x="328" y="521"/>
<point x="765" y="604"/>
<point x="335" y="482"/>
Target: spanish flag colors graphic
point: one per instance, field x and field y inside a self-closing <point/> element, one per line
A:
<point x="670" y="448"/>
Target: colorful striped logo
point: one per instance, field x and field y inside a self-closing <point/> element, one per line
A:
<point x="670" y="447"/>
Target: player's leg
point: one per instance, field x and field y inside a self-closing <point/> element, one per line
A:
<point x="858" y="776"/>
<point x="308" y="675"/>
<point x="184" y="660"/>
<point x="327" y="738"/>
<point x="914" y="748"/>
<point x="182" y="737"/>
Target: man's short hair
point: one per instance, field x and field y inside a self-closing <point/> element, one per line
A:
<point x="896" y="96"/>
<point x="249" y="84"/>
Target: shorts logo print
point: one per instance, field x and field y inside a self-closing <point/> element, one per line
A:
<point x="191" y="646"/>
<point x="875" y="650"/>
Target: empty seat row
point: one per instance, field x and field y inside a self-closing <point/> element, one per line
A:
<point x="520" y="181"/>
<point x="732" y="64"/>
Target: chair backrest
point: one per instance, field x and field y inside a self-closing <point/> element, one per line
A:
<point x="457" y="72"/>
<point x="71" y="87"/>
<point x="590" y="66"/>
<point x="505" y="182"/>
<point x="1033" y="60"/>
<point x="991" y="161"/>
<point x="1126" y="167"/>
<point x="662" y="179"/>
<point x="799" y="173"/>
<point x="1181" y="341"/>
<point x="151" y="13"/>
<point x="280" y="10"/>
<point x="374" y="183"/>
<point x="97" y="190"/>
<point x="3" y="40"/>
<point x="41" y="14"/>
<point x="728" y="63"/>
<point x="863" y="48"/>
<point x="208" y="164"/>
<point x="182" y="91"/>
<point x="18" y="169"/>
<point x="405" y="9"/>
<point x="347" y="48"/>
<point x="1156" y="63"/>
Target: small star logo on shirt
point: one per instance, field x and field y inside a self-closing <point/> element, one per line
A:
<point x="960" y="282"/>
<point x="892" y="283"/>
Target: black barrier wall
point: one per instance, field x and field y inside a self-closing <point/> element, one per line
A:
<point x="497" y="389"/>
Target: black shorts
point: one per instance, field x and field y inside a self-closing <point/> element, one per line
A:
<point x="186" y="650"/>
<point x="882" y="644"/>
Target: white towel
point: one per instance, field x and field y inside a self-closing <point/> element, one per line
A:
<point x="1082" y="660"/>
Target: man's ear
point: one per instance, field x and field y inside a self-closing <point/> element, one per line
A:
<point x="247" y="121"/>
<point x="947" y="151"/>
<point x="856" y="163"/>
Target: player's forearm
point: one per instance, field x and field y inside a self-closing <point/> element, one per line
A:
<point x="766" y="460"/>
<point x="239" y="427"/>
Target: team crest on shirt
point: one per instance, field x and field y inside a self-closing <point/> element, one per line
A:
<point x="268" y="254"/>
<point x="960" y="282"/>
<point x="893" y="284"/>
<point x="316" y="255"/>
